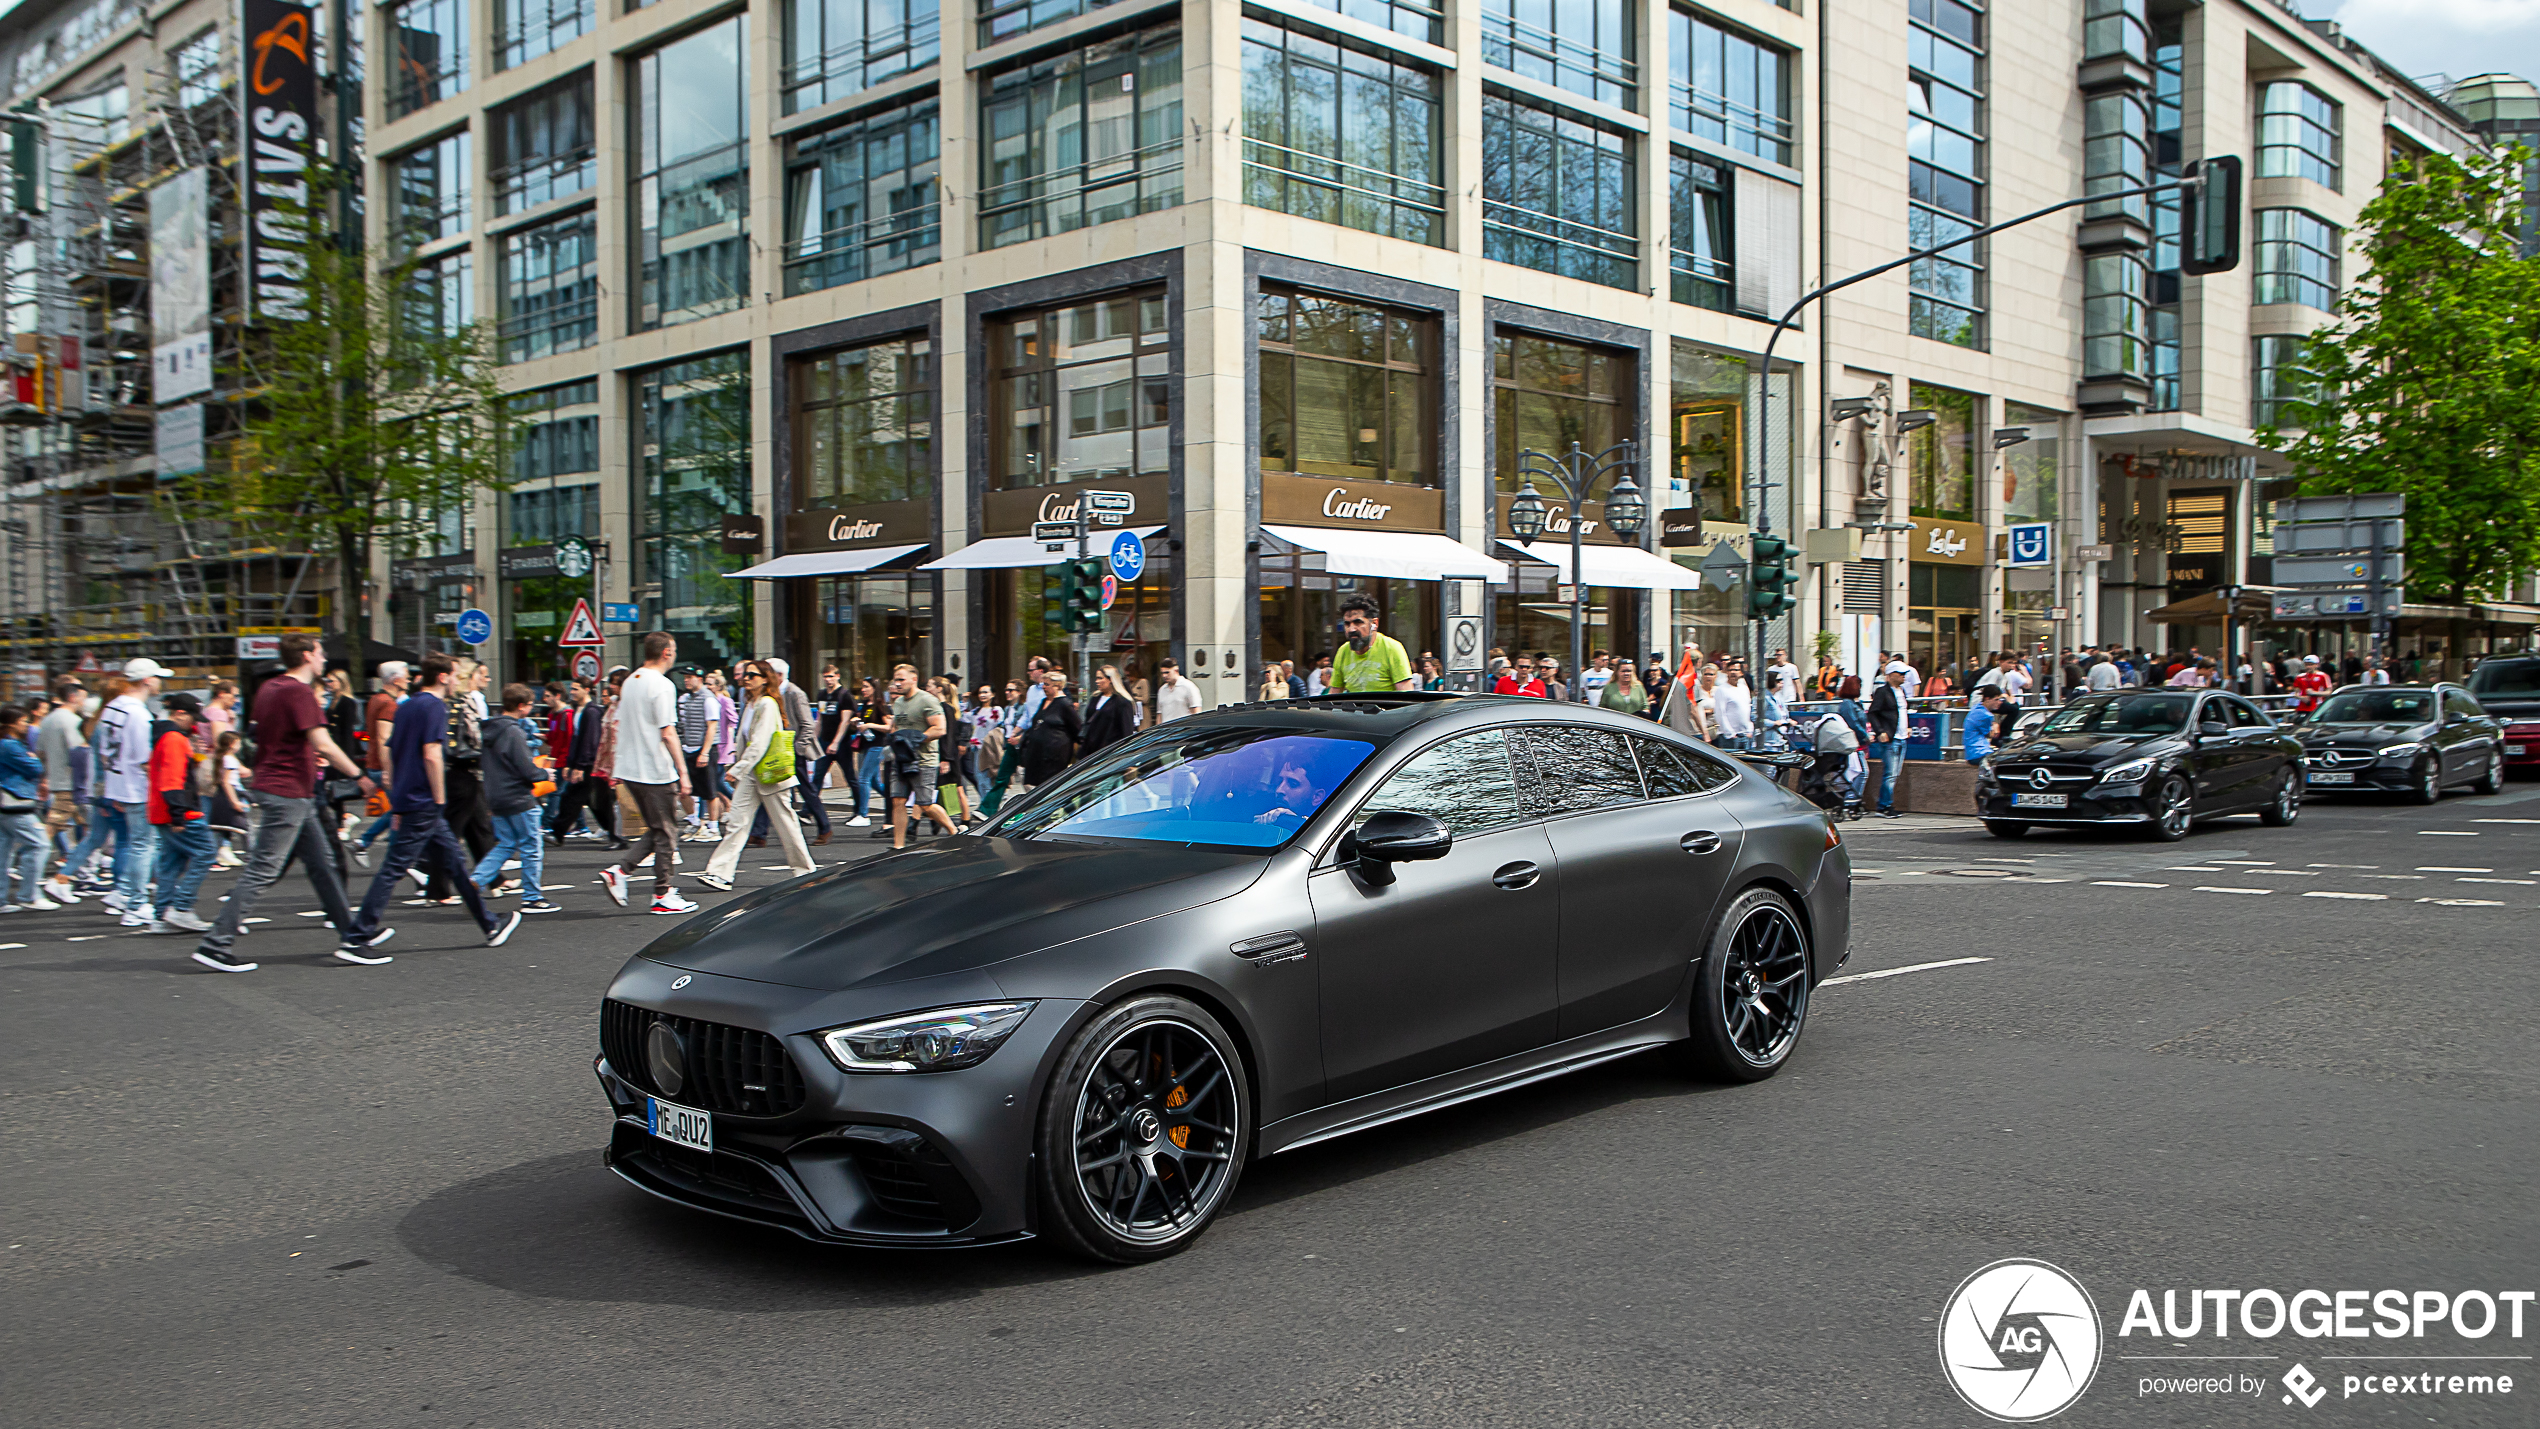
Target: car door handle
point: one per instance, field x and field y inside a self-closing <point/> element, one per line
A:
<point x="1700" y="841"/>
<point x="1517" y="875"/>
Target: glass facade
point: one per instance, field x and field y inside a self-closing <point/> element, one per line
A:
<point x="427" y="53"/>
<point x="692" y="192"/>
<point x="441" y="294"/>
<point x="2297" y="258"/>
<point x="550" y="287"/>
<point x="197" y="63"/>
<point x="1342" y="136"/>
<point x="2168" y="119"/>
<point x="2116" y="286"/>
<point x="2031" y="471"/>
<point x="2298" y="133"/>
<point x="834" y="48"/>
<point x="555" y="441"/>
<point x="2275" y="378"/>
<point x="428" y="192"/>
<point x="1709" y="394"/>
<point x="1402" y="17"/>
<point x="1944" y="137"/>
<point x="1348" y="389"/>
<point x="1728" y="88"/>
<point x="544" y="146"/>
<point x="1547" y="393"/>
<point x="862" y="200"/>
<point x="526" y="29"/>
<point x="1080" y="393"/>
<point x="866" y="624"/>
<point x="692" y="469"/>
<point x="1701" y="269"/>
<point x="1584" y="46"/>
<point x="1301" y="610"/>
<point x="1558" y="194"/>
<point x="865" y="425"/>
<point x="1944" y="454"/>
<point x="1083" y="138"/>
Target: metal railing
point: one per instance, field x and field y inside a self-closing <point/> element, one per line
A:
<point x="858" y="251"/>
<point x="1041" y="198"/>
<point x="1518" y="227"/>
<point x="1742" y="127"/>
<point x="1508" y="42"/>
<point x="1342" y="181"/>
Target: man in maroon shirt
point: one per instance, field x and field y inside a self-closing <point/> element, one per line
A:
<point x="291" y="740"/>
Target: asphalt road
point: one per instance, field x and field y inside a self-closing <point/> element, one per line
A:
<point x="332" y="1195"/>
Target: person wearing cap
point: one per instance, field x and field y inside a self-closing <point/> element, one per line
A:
<point x="1888" y="727"/>
<point x="2312" y="683"/>
<point x="177" y="816"/>
<point x="123" y="744"/>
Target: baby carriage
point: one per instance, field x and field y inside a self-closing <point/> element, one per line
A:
<point x="1824" y="781"/>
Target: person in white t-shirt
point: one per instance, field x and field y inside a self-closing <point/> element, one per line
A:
<point x="1781" y="678"/>
<point x="1175" y="697"/>
<point x="1733" y="706"/>
<point x="651" y="769"/>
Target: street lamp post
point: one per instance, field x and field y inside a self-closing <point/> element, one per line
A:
<point x="1575" y="474"/>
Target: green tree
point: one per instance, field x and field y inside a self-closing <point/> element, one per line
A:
<point x="364" y="423"/>
<point x="2428" y="384"/>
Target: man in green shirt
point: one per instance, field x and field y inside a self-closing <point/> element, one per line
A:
<point x="1372" y="660"/>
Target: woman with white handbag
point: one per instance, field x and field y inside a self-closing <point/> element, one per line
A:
<point x="762" y="772"/>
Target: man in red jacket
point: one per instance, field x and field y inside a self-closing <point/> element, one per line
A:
<point x="176" y="807"/>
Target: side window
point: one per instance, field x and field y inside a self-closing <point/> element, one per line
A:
<point x="2247" y="716"/>
<point x="1577" y="768"/>
<point x="1465" y="783"/>
<point x="2456" y="703"/>
<point x="1671" y="774"/>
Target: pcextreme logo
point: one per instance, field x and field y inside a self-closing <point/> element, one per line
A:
<point x="2019" y="1341"/>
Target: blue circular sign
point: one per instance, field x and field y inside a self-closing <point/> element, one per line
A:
<point x="475" y="626"/>
<point x="1128" y="557"/>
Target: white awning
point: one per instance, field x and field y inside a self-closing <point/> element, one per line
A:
<point x="1628" y="567"/>
<point x="1003" y="553"/>
<point x="1395" y="555"/>
<point x="825" y="563"/>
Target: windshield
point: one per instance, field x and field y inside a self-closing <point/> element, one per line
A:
<point x="2123" y="714"/>
<point x="1240" y="788"/>
<point x="2369" y="706"/>
<point x="2506" y="677"/>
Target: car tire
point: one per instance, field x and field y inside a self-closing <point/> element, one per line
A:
<point x="2493" y="781"/>
<point x="2428" y="788"/>
<point x="2006" y="828"/>
<point x="1144" y="1131"/>
<point x="2175" y="813"/>
<point x="1750" y="993"/>
<point x="2286" y="804"/>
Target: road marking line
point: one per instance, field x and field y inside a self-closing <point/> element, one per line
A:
<point x="1896" y="972"/>
<point x="2450" y="868"/>
<point x="2050" y="880"/>
<point x="2505" y="821"/>
<point x="2345" y="865"/>
<point x="87" y="938"/>
<point x="2449" y="833"/>
<point x="2366" y="897"/>
<point x="2209" y="888"/>
<point x="2122" y="883"/>
<point x="2253" y="862"/>
<point x="1998" y="859"/>
<point x="2193" y="868"/>
<point x="2283" y="872"/>
<point x="2465" y="902"/>
<point x="2524" y="881"/>
<point x="4" y="947"/>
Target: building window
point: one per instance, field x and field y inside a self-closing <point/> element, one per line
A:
<point x="2298" y="130"/>
<point x="544" y="146"/>
<point x="1944" y="454"/>
<point x="1945" y="144"/>
<point x="555" y="432"/>
<point x="100" y="117"/>
<point x="1710" y="393"/>
<point x="441" y="294"/>
<point x="2115" y="29"/>
<point x="1558" y="194"/>
<point x="1727" y="88"/>
<point x="2276" y="377"/>
<point x="1342" y="136"/>
<point x="692" y="193"/>
<point x="1402" y="17"/>
<point x="198" y="70"/>
<point x="428" y="54"/>
<point x="2168" y="118"/>
<point x="1584" y="46"/>
<point x="540" y="517"/>
<point x="866" y="432"/>
<point x="1087" y="137"/>
<point x="1081" y="393"/>
<point x="428" y="198"/>
<point x="2031" y="470"/>
<point x="2297" y="258"/>
<point x="692" y="469"/>
<point x="2114" y="314"/>
<point x="1700" y="262"/>
<point x="1348" y="389"/>
<point x="1548" y="392"/>
<point x="526" y="29"/>
<point x="834" y="48"/>
<point x="551" y="287"/>
<point x="861" y="199"/>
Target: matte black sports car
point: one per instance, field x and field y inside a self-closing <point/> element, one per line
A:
<point x="2159" y="758"/>
<point x="2417" y="740"/>
<point x="1229" y="936"/>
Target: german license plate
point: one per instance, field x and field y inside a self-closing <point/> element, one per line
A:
<point x="2346" y="778"/>
<point x="679" y="1125"/>
<point x="2514" y="749"/>
<point x="2039" y="801"/>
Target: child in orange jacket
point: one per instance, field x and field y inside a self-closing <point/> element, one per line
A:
<point x="176" y="806"/>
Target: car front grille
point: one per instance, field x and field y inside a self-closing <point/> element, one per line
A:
<point x="734" y="1070"/>
<point x="907" y="1175"/>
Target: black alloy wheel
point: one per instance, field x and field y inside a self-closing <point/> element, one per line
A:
<point x="1143" y="1131"/>
<point x="2006" y="828"/>
<point x="2177" y="813"/>
<point x="2428" y="788"/>
<point x="1750" y="996"/>
<point x="2493" y="781"/>
<point x="2286" y="806"/>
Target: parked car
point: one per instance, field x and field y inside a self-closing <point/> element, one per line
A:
<point x="2508" y="687"/>
<point x="2163" y="759"/>
<point x="2417" y="740"/>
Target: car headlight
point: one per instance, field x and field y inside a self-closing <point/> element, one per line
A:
<point x="2128" y="772"/>
<point x="2404" y="751"/>
<point x="940" y="1041"/>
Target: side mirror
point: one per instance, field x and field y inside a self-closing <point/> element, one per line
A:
<point x="1389" y="837"/>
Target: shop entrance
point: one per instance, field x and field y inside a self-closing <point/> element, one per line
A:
<point x="1944" y="616"/>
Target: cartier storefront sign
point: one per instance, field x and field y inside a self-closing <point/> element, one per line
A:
<point x="894" y="523"/>
<point x="1012" y="513"/>
<point x="1354" y="505"/>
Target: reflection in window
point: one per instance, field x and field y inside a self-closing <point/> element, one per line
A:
<point x="1415" y="18"/>
<point x="860" y="200"/>
<point x="551" y="287"/>
<point x="1698" y="235"/>
<point x="1551" y="392"/>
<point x="543" y="146"/>
<point x="1727" y="88"/>
<point x="1708" y="391"/>
<point x="98" y="118"/>
<point x="526" y="29"/>
<point x="2031" y="471"/>
<point x="1944" y="454"/>
<point x="1465" y="784"/>
<point x="1671" y="773"/>
<point x="2277" y="378"/>
<point x="540" y="518"/>
<point x="2298" y="133"/>
<point x="428" y="198"/>
<point x="2297" y="259"/>
<point x="692" y="199"/>
<point x="441" y="294"/>
<point x="1081" y="393"/>
<point x="1584" y="46"/>
<point x="1348" y="389"/>
<point x="1579" y="769"/>
<point x="1086" y="137"/>
<point x="555" y="432"/>
<point x="692" y="460"/>
<point x="1247" y="788"/>
<point x="1342" y="136"/>
<point x="1944" y="134"/>
<point x="1558" y="194"/>
<point x="427" y="48"/>
<point x="834" y="48"/>
<point x="198" y="69"/>
<point x="867" y="430"/>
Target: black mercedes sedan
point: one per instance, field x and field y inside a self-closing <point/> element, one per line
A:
<point x="1229" y="936"/>
<point x="2160" y="758"/>
<point x="2416" y="740"/>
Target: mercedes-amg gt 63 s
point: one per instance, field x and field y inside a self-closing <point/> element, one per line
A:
<point x="1229" y="936"/>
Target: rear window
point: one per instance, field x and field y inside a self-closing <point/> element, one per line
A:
<point x="2513" y="679"/>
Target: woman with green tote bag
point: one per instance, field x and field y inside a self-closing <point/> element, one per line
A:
<point x="763" y="772"/>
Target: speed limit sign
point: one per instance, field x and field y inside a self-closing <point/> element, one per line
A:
<point x="586" y="665"/>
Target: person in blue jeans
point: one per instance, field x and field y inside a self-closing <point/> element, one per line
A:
<point x="1889" y="724"/>
<point x="1976" y="736"/>
<point x="21" y="775"/>
<point x="511" y="777"/>
<point x="176" y="810"/>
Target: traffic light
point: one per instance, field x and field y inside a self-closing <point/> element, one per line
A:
<point x="1769" y="578"/>
<point x="2209" y="217"/>
<point x="1079" y="606"/>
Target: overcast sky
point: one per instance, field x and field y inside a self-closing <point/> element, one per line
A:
<point x="2458" y="38"/>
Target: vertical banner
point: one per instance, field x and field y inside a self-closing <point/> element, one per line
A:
<point x="279" y="94"/>
<point x="180" y="288"/>
<point x="180" y="440"/>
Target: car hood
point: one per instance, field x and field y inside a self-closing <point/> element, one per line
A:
<point x="2087" y="748"/>
<point x="2361" y="736"/>
<point x="951" y="907"/>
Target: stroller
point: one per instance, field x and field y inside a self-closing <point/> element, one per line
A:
<point x="1830" y="744"/>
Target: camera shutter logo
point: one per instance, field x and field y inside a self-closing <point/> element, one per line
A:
<point x="2020" y="1341"/>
